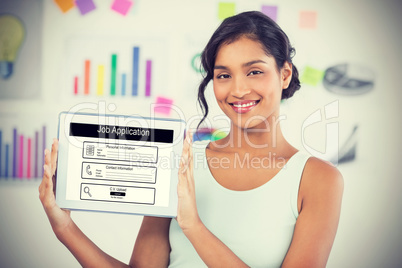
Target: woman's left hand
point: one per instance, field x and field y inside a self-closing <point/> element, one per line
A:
<point x="187" y="214"/>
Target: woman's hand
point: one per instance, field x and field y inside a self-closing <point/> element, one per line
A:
<point x="187" y="214"/>
<point x="59" y="218"/>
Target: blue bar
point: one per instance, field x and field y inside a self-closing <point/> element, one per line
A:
<point x="6" y="164"/>
<point x="136" y="60"/>
<point x="14" y="153"/>
<point x="123" y="84"/>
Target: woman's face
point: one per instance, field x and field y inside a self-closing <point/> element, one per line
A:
<point x="247" y="83"/>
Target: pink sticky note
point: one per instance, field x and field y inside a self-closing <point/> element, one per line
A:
<point x="121" y="6"/>
<point x="308" y="19"/>
<point x="270" y="11"/>
<point x="163" y="105"/>
<point x="85" y="6"/>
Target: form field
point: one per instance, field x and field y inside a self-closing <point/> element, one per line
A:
<point x="112" y="172"/>
<point x="120" y="152"/>
<point x="116" y="193"/>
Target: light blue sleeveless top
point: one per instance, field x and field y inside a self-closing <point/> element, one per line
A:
<point x="257" y="225"/>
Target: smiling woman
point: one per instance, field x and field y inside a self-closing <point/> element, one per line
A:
<point x="279" y="207"/>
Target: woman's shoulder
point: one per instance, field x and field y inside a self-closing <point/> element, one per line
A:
<point x="321" y="177"/>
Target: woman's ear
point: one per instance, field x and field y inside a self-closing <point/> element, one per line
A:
<point x="286" y="74"/>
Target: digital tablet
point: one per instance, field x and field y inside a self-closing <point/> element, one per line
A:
<point x="115" y="163"/>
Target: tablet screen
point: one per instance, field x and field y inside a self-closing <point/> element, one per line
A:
<point x="123" y="164"/>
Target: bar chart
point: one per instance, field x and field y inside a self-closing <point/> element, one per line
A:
<point x="115" y="67"/>
<point x="21" y="153"/>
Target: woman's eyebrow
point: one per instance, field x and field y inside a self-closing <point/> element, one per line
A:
<point x="220" y="67"/>
<point x="247" y="64"/>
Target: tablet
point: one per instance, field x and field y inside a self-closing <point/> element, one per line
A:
<point x="115" y="163"/>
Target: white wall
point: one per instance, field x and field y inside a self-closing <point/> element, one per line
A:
<point x="367" y="32"/>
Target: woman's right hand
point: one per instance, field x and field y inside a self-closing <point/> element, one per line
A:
<point x="59" y="218"/>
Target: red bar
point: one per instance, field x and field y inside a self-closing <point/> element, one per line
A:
<point x="86" y="79"/>
<point x="75" y="85"/>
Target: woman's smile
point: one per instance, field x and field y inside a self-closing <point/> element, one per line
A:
<point x="245" y="106"/>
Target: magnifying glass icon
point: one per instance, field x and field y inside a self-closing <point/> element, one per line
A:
<point x="86" y="190"/>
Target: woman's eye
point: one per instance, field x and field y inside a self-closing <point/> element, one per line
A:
<point x="223" y="76"/>
<point x="254" y="73"/>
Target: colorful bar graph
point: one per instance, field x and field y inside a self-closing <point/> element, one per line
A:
<point x="148" y="77"/>
<point x="128" y="76"/>
<point x="123" y="84"/>
<point x="113" y="75"/>
<point x="87" y="72"/>
<point x="136" y="63"/>
<point x="101" y="77"/>
<point x="21" y="158"/>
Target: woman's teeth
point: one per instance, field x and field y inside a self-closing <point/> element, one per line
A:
<point x="245" y="104"/>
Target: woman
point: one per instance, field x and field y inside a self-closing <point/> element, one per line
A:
<point x="249" y="199"/>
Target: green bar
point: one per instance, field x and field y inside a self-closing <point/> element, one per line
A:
<point x="113" y="78"/>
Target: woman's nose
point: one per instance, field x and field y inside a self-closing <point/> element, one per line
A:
<point x="240" y="88"/>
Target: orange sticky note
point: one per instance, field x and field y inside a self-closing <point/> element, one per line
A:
<point x="65" y="5"/>
<point x="308" y="19"/>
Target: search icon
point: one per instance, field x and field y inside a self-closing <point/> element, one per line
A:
<point x="86" y="190"/>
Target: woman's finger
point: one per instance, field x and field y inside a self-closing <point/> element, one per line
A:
<point x="46" y="186"/>
<point x="47" y="157"/>
<point x="47" y="175"/>
<point x="189" y="155"/>
<point x="191" y="163"/>
<point x="184" y="156"/>
<point x="53" y="157"/>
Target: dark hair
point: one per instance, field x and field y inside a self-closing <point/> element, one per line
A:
<point x="256" y="26"/>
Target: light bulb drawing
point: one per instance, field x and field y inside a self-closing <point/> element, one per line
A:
<point x="12" y="33"/>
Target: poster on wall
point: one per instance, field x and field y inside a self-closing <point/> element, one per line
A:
<point x="20" y="48"/>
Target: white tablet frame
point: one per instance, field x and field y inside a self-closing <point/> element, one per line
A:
<point x="166" y="208"/>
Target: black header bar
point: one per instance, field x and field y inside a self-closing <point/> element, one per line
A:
<point x="121" y="133"/>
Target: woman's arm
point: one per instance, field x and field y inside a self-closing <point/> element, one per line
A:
<point x="151" y="248"/>
<point x="212" y="251"/>
<point x="321" y="191"/>
<point x="83" y="249"/>
<point x="321" y="188"/>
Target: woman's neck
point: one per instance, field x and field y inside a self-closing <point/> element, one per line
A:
<point x="266" y="137"/>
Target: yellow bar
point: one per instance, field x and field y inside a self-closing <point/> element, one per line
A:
<point x="101" y="75"/>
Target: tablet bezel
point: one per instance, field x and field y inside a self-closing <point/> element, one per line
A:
<point x="65" y="118"/>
